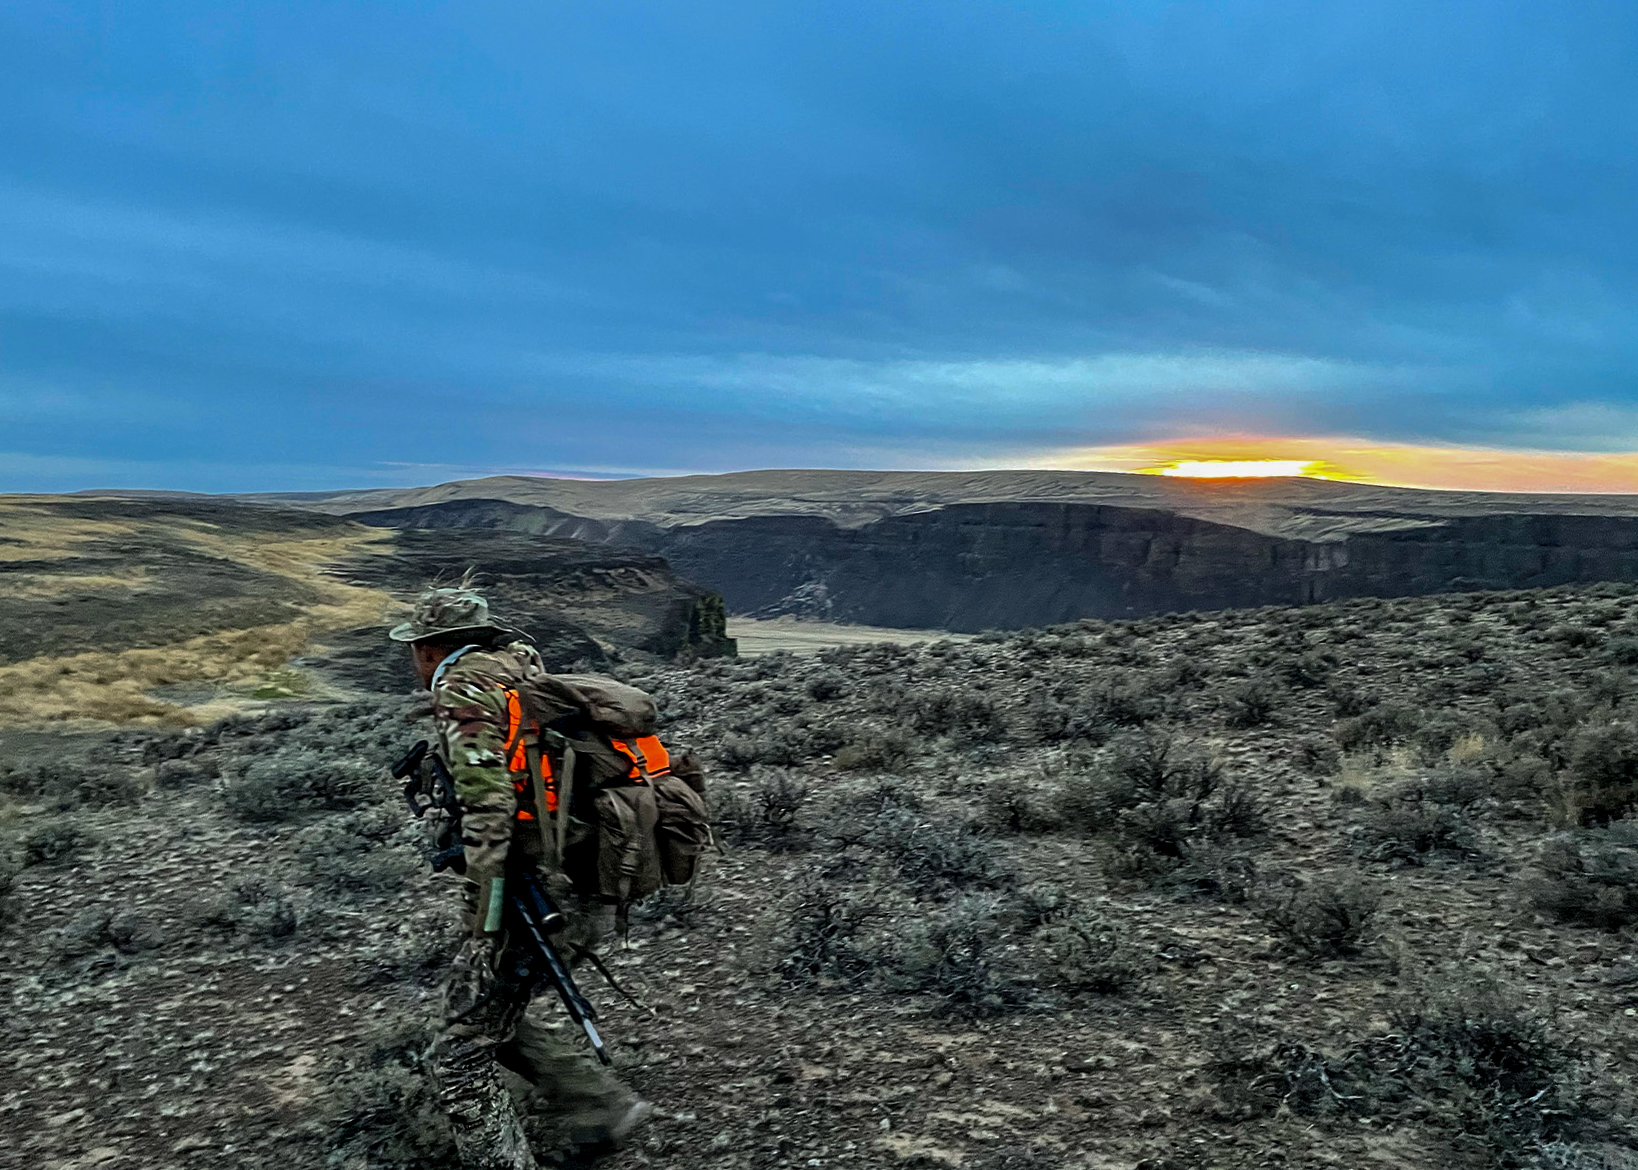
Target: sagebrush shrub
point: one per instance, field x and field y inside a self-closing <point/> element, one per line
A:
<point x="1468" y="1060"/>
<point x="768" y="816"/>
<point x="1010" y="803"/>
<point x="1159" y="801"/>
<point x="1251" y="704"/>
<point x="1601" y="783"/>
<point x="1409" y="828"/>
<point x="49" y="778"/>
<point x="1329" y="917"/>
<point x="1083" y="952"/>
<point x="1058" y="719"/>
<point x="876" y="751"/>
<point x="1380" y="726"/>
<point x="954" y="954"/>
<point x="826" y="685"/>
<point x="288" y="783"/>
<point x="1309" y="669"/>
<point x="8" y="878"/>
<point x="380" y="1107"/>
<point x="1589" y="877"/>
<point x="54" y="844"/>
<point x="738" y="753"/>
<point x="971" y="716"/>
<point x="255" y="908"/>
<point x="1575" y="637"/>
<point x="823" y="937"/>
<point x="346" y="862"/>
<point x="1347" y="700"/>
<point x="1484" y="1059"/>
<point x="65" y="784"/>
<point x="1622" y="651"/>
<point x="1128" y="700"/>
<point x="934" y="855"/>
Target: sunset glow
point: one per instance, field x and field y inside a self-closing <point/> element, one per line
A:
<point x="1236" y="468"/>
<point x="1362" y="461"/>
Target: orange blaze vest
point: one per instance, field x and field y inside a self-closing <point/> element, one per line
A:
<point x="647" y="754"/>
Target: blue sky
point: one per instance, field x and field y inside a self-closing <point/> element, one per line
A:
<point x="306" y="245"/>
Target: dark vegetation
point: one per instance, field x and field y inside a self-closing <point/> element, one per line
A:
<point x="1354" y="884"/>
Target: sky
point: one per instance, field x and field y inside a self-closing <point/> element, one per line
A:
<point x="302" y="246"/>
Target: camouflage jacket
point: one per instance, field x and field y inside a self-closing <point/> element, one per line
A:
<point x="473" y="721"/>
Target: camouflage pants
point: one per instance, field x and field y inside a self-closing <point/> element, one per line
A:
<point x="492" y="1063"/>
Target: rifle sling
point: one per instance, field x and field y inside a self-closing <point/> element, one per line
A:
<point x="591" y="957"/>
<point x="537" y="783"/>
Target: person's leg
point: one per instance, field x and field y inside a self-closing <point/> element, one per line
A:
<point x="585" y="1103"/>
<point x="484" y="1119"/>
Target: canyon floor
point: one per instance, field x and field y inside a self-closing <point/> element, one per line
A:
<point x="1342" y="885"/>
<point x="758" y="636"/>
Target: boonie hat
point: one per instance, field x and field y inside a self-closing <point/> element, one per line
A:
<point x="447" y="611"/>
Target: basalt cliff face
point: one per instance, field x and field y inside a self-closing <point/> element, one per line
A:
<point x="969" y="566"/>
<point x="577" y="600"/>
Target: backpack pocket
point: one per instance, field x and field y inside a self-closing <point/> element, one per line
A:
<point x="628" y="865"/>
<point x="683" y="830"/>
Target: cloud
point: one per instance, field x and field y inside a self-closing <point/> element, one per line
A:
<point x="1584" y="426"/>
<point x="1036" y="392"/>
<point x="479" y="238"/>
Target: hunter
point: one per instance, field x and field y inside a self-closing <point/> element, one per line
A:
<point x="473" y="667"/>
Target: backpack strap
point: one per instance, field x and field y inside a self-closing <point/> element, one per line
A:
<point x="535" y="761"/>
<point x="565" y="795"/>
<point x="449" y="661"/>
<point x="551" y="808"/>
<point x="647" y="754"/>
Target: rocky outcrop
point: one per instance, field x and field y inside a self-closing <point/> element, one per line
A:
<point x="968" y="567"/>
<point x="578" y="600"/>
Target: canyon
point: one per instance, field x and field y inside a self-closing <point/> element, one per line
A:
<point x="972" y="551"/>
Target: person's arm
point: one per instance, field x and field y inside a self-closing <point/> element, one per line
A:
<point x="473" y="719"/>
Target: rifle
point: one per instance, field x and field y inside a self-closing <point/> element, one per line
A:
<point x="537" y="962"/>
<point x="441" y="796"/>
<point x="529" y="959"/>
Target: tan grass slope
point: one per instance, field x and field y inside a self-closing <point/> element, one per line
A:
<point x="120" y="611"/>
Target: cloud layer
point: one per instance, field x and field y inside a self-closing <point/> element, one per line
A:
<point x="313" y="245"/>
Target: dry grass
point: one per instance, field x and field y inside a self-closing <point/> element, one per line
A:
<point x="35" y="531"/>
<point x="37" y="585"/>
<point x="114" y="687"/>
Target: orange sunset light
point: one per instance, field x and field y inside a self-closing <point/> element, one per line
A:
<point x="1360" y="461"/>
<point x="1239" y="468"/>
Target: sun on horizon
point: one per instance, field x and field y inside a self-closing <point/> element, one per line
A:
<point x="1240" y="469"/>
<point x="1343" y="459"/>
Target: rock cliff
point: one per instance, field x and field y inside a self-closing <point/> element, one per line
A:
<point x="972" y="566"/>
<point x="578" y="600"/>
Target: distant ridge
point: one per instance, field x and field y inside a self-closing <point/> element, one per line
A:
<point x="1305" y="509"/>
<point x="968" y="551"/>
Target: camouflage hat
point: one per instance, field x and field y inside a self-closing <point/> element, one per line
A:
<point x="447" y="611"/>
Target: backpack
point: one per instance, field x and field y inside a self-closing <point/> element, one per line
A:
<point x="592" y="742"/>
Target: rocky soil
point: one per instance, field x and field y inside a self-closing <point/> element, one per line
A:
<point x="1344" y="885"/>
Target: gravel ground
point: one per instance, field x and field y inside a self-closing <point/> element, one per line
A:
<point x="188" y="987"/>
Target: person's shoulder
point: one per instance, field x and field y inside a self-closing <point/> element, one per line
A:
<point x="496" y="666"/>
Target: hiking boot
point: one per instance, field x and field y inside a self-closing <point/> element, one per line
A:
<point x="593" y="1141"/>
